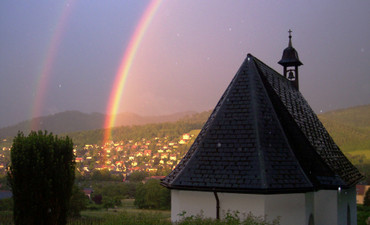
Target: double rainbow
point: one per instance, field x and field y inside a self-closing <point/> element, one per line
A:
<point x="47" y="64"/>
<point x="125" y="66"/>
<point x="120" y="78"/>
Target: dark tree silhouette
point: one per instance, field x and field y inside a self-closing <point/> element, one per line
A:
<point x="41" y="177"/>
<point x="367" y="198"/>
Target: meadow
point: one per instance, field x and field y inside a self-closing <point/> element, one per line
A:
<point x="128" y="214"/>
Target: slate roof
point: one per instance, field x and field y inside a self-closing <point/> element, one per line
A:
<point x="262" y="137"/>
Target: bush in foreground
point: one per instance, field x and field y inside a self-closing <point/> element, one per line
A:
<point x="41" y="177"/>
<point x="231" y="218"/>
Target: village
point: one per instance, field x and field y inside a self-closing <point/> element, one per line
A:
<point x="156" y="156"/>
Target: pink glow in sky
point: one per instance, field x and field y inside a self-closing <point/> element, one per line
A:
<point x="188" y="56"/>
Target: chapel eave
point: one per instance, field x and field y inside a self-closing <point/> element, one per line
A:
<point x="262" y="137"/>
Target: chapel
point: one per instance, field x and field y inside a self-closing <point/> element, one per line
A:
<point x="264" y="151"/>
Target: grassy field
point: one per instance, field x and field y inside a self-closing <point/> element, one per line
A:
<point x="127" y="207"/>
<point x="125" y="214"/>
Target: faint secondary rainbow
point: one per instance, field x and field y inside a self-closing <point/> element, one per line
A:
<point x="125" y="66"/>
<point x="47" y="65"/>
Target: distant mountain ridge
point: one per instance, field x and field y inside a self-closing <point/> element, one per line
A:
<point x="350" y="128"/>
<point x="73" y="121"/>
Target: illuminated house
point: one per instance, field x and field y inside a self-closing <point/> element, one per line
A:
<point x="263" y="150"/>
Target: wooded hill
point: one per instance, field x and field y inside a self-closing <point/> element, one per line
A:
<point x="350" y="128"/>
<point x="173" y="130"/>
<point x="73" y="121"/>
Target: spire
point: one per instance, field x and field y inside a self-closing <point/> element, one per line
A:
<point x="290" y="62"/>
<point x="262" y="137"/>
<point x="290" y="38"/>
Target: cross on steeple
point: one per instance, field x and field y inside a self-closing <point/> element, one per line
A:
<point x="290" y="62"/>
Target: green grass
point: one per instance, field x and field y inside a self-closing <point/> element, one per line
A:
<point x="127" y="209"/>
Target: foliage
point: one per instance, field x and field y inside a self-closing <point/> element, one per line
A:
<point x="170" y="129"/>
<point x="137" y="176"/>
<point x="78" y="202"/>
<point x="6" y="217"/>
<point x="152" y="195"/>
<point x="85" y="221"/>
<point x="4" y="182"/>
<point x="136" y="219"/>
<point x="108" y="202"/>
<point x="6" y="204"/>
<point x="41" y="177"/>
<point x="115" y="189"/>
<point x="230" y="218"/>
<point x="367" y="198"/>
<point x="363" y="215"/>
<point x="104" y="175"/>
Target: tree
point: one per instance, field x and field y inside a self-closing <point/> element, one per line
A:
<point x="137" y="176"/>
<point x="78" y="202"/>
<point x="41" y="177"/>
<point x="152" y="195"/>
<point x="367" y="198"/>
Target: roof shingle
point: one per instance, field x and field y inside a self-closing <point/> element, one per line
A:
<point x="262" y="137"/>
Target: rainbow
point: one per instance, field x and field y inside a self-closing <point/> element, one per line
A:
<point x="47" y="65"/>
<point x="125" y="66"/>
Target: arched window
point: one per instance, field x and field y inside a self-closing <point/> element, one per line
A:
<point x="348" y="215"/>
<point x="310" y="220"/>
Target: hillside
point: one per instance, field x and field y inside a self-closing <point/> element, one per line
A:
<point x="136" y="132"/>
<point x="73" y="121"/>
<point x="350" y="128"/>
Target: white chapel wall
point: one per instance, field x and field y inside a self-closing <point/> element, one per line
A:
<point x="243" y="203"/>
<point x="326" y="207"/>
<point x="291" y="208"/>
<point x="193" y="203"/>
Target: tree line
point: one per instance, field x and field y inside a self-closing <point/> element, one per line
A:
<point x="136" y="133"/>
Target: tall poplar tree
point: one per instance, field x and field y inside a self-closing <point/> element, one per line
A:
<point x="41" y="177"/>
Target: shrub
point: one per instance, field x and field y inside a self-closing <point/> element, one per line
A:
<point x="78" y="202"/>
<point x="231" y="218"/>
<point x="6" y="204"/>
<point x="367" y="198"/>
<point x="41" y="177"/>
<point x="152" y="195"/>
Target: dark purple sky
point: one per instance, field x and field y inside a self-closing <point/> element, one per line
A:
<point x="188" y="56"/>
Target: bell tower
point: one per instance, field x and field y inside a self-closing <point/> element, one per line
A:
<point x="290" y="62"/>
